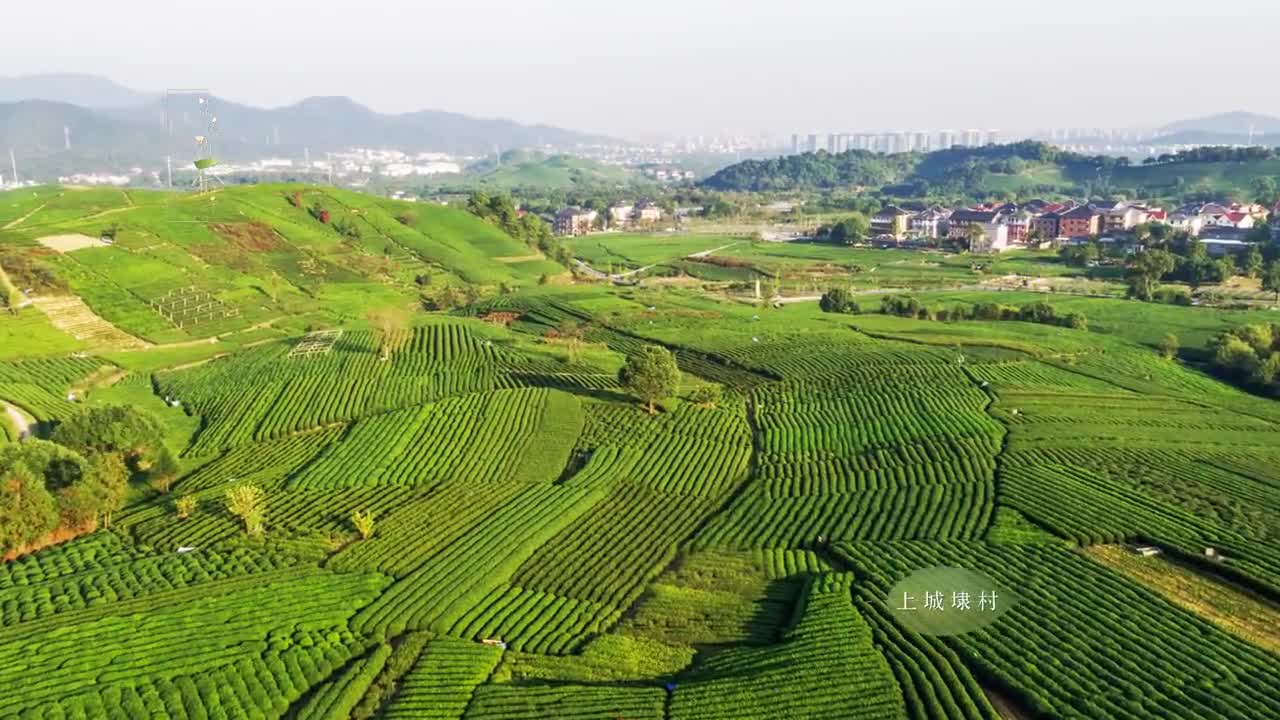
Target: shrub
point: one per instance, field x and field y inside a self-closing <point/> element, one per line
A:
<point x="1169" y="346"/>
<point x="838" y="300"/>
<point x="185" y="506"/>
<point x="1076" y="321"/>
<point x="245" y="502"/>
<point x="707" y="396"/>
<point x="362" y="521"/>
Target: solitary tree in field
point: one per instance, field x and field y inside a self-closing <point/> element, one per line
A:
<point x="651" y="376"/>
<point x="386" y="323"/>
<point x="851" y="230"/>
<point x="362" y="521"/>
<point x="1169" y="346"/>
<point x="246" y="502"/>
<point x="185" y="506"/>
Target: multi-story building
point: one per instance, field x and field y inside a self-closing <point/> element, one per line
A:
<point x="928" y="224"/>
<point x="646" y="213"/>
<point x="574" y="221"/>
<point x="891" y="220"/>
<point x="1082" y="221"/>
<point x="620" y="214"/>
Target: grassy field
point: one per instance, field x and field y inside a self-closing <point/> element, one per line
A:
<point x="466" y="515"/>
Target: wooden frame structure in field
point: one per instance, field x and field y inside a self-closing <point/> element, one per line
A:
<point x="191" y="306"/>
<point x="319" y="342"/>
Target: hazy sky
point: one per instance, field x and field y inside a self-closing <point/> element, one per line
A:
<point x="686" y="66"/>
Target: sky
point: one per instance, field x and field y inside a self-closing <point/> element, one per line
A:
<point x="686" y="67"/>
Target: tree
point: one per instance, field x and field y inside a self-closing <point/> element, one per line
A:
<point x="245" y="502"/>
<point x="107" y="487"/>
<point x="650" y="375"/>
<point x="1145" y="269"/>
<point x="1271" y="279"/>
<point x="137" y="437"/>
<point x="851" y="230"/>
<point x="1253" y="262"/>
<point x="838" y="300"/>
<point x="362" y="521"/>
<point x="387" y="323"/>
<point x="27" y="510"/>
<point x="1169" y="346"/>
<point x="976" y="236"/>
<point x="707" y="396"/>
<point x="1264" y="190"/>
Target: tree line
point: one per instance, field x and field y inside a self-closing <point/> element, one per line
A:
<point x="74" y="481"/>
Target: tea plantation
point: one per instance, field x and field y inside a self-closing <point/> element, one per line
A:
<point x="466" y="514"/>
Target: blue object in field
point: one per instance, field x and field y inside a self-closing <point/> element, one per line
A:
<point x="671" y="687"/>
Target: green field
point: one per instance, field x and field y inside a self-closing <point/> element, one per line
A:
<point x="543" y="547"/>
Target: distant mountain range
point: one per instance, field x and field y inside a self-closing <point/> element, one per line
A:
<point x="1230" y="123"/>
<point x="106" y="121"/>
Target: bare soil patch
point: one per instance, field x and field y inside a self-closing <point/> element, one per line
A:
<point x="70" y="242"/>
<point x="249" y="236"/>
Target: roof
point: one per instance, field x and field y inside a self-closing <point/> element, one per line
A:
<point x="1236" y="217"/>
<point x="974" y="216"/>
<point x="1079" y="213"/>
<point x="892" y="211"/>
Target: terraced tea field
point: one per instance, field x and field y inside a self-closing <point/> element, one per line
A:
<point x="476" y="520"/>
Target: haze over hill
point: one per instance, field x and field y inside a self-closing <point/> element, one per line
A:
<point x="104" y="118"/>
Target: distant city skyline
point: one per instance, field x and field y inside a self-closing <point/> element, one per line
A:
<point x="677" y="68"/>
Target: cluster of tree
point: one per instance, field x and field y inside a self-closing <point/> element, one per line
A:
<point x="814" y="170"/>
<point x="1037" y="312"/>
<point x="849" y="230"/>
<point x="77" y="479"/>
<point x="1215" y="153"/>
<point x="838" y="300"/>
<point x="1250" y="355"/>
<point x="1187" y="260"/>
<point x="955" y="170"/>
<point x="527" y="227"/>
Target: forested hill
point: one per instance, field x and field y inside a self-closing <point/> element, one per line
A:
<point x="1031" y="167"/>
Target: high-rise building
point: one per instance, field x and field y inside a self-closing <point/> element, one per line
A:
<point x="993" y="137"/>
<point x="813" y="142"/>
<point x="795" y="143"/>
<point x="946" y="139"/>
<point x="922" y="142"/>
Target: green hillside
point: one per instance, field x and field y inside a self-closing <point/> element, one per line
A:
<point x="588" y="500"/>
<point x="257" y="253"/>
<point x="525" y="170"/>
<point x="1019" y="169"/>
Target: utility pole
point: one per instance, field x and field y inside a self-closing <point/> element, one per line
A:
<point x="66" y="136"/>
<point x="13" y="163"/>
<point x="168" y="164"/>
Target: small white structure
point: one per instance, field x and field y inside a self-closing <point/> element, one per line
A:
<point x="1147" y="550"/>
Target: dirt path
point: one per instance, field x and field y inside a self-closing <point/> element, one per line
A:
<point x="15" y="223"/>
<point x="21" y="421"/>
<point x="519" y="258"/>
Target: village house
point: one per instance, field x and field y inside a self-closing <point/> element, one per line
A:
<point x="929" y="224"/>
<point x="892" y="221"/>
<point x="574" y="221"/>
<point x="1046" y="225"/>
<point x="619" y="214"/>
<point x="1079" y="222"/>
<point x="646" y="213"/>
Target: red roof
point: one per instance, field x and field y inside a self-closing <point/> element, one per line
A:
<point x="1158" y="214"/>
<point x="1236" y="217"/>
